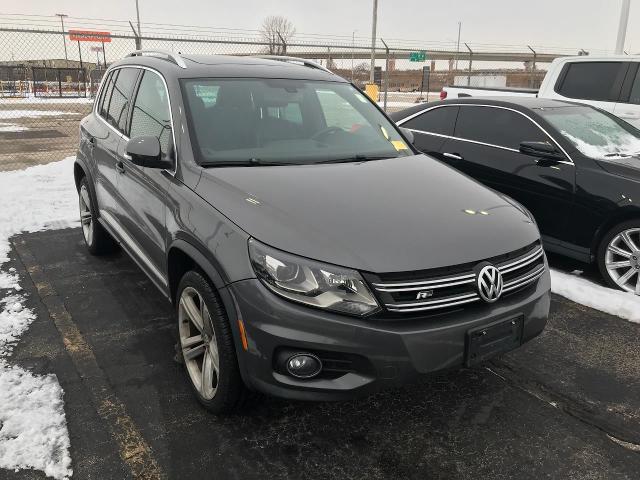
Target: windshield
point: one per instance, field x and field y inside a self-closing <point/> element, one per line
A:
<point x="266" y="121"/>
<point x="594" y="133"/>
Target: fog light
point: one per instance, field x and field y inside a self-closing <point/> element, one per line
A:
<point x="304" y="365"/>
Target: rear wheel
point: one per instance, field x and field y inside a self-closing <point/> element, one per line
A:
<point x="207" y="347"/>
<point x="619" y="257"/>
<point x="95" y="236"/>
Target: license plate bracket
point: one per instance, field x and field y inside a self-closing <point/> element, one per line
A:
<point x="490" y="340"/>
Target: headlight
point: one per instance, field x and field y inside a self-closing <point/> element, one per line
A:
<point x="311" y="283"/>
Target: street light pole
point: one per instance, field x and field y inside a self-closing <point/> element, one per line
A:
<point x="373" y="40"/>
<point x="139" y="31"/>
<point x="622" y="28"/>
<point x="64" y="37"/>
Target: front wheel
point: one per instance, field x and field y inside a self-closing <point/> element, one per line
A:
<point x="206" y="343"/>
<point x="619" y="257"/>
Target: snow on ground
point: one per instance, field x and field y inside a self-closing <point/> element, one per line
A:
<point x="580" y="290"/>
<point x="12" y="127"/>
<point x="33" y="429"/>
<point x="11" y="114"/>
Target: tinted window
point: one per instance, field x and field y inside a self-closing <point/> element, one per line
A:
<point x="497" y="126"/>
<point x="150" y="114"/>
<point x="100" y="98"/>
<point x="119" y="103"/>
<point x="439" y="120"/>
<point x="106" y="95"/>
<point x="635" y="91"/>
<point x="593" y="80"/>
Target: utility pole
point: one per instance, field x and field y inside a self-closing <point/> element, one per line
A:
<point x="353" y="47"/>
<point x="373" y="40"/>
<point x="458" y="44"/>
<point x="64" y="35"/>
<point x="622" y="28"/>
<point x="139" y="31"/>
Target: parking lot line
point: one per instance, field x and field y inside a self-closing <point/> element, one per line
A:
<point x="132" y="447"/>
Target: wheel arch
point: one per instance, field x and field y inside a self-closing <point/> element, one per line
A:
<point x="623" y="215"/>
<point x="80" y="171"/>
<point x="183" y="256"/>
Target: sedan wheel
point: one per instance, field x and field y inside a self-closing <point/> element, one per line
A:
<point x="622" y="260"/>
<point x="198" y="343"/>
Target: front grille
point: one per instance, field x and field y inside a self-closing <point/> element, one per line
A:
<point x="436" y="291"/>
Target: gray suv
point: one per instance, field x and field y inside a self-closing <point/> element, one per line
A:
<point x="310" y="252"/>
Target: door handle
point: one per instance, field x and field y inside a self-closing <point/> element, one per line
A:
<point x="120" y="166"/>
<point x="453" y="156"/>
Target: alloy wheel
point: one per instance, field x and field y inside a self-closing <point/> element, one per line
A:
<point x="622" y="260"/>
<point x="198" y="343"/>
<point x="86" y="217"/>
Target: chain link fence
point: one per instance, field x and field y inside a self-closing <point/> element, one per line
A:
<point x="47" y="81"/>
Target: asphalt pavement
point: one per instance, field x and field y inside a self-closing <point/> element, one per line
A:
<point x="564" y="406"/>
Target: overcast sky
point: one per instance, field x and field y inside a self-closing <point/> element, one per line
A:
<point x="589" y="24"/>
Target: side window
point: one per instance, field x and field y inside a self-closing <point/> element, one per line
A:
<point x="497" y="126"/>
<point x="100" y="98"/>
<point x="151" y="111"/>
<point x="119" y="104"/>
<point x="439" y="120"/>
<point x="600" y="81"/>
<point x="338" y="112"/>
<point x="106" y="96"/>
<point x="635" y="90"/>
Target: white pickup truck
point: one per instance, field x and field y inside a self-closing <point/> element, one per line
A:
<point x="610" y="83"/>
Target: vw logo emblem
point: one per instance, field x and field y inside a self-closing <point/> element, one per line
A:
<point x="489" y="283"/>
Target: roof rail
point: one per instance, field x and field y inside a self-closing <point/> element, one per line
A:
<point x="303" y="61"/>
<point x="167" y="55"/>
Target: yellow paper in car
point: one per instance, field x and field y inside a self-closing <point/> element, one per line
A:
<point x="399" y="145"/>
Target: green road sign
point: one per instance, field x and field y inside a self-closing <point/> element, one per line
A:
<point x="418" y="56"/>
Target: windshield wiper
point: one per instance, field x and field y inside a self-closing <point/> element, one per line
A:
<point x="251" y="162"/>
<point x="356" y="158"/>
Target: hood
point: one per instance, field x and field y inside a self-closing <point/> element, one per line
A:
<point x="628" y="167"/>
<point x="409" y="213"/>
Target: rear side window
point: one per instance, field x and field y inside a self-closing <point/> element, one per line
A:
<point x="439" y="120"/>
<point x="150" y="114"/>
<point x="497" y="126"/>
<point x="106" y="95"/>
<point x="100" y="99"/>
<point x="120" y="98"/>
<point x="599" y="81"/>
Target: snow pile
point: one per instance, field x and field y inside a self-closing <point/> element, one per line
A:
<point x="12" y="127"/>
<point x="33" y="113"/>
<point x="33" y="429"/>
<point x="580" y="290"/>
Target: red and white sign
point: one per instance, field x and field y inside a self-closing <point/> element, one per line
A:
<point x="89" y="36"/>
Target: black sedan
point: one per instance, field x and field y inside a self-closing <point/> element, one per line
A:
<point x="575" y="167"/>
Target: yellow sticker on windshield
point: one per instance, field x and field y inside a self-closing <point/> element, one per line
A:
<point x="399" y="144"/>
<point x="384" y="132"/>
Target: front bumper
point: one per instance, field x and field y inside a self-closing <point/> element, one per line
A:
<point x="392" y="352"/>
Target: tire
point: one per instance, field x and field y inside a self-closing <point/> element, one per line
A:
<point x="97" y="239"/>
<point x="619" y="257"/>
<point x="218" y="390"/>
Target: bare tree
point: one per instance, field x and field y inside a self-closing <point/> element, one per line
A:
<point x="276" y="32"/>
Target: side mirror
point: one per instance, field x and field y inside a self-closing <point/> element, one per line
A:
<point x="145" y="152"/>
<point x="408" y="134"/>
<point x="541" y="149"/>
